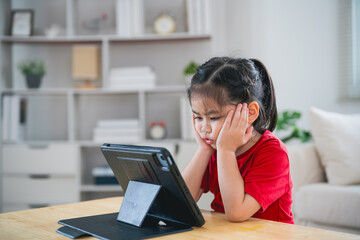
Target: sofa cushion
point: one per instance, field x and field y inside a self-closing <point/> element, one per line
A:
<point x="305" y="166"/>
<point x="329" y="204"/>
<point x="337" y="140"/>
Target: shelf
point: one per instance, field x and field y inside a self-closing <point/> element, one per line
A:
<point x="101" y="38"/>
<point x="101" y="188"/>
<point x="41" y="91"/>
<point x="99" y="91"/>
<point x="155" y="37"/>
<point x="144" y="142"/>
<point x="44" y="39"/>
<point x="156" y="89"/>
<point x="92" y="143"/>
<point x="37" y="143"/>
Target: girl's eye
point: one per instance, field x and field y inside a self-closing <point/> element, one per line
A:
<point x="197" y="118"/>
<point x="214" y="118"/>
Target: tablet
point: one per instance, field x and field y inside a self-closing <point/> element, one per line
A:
<point x="157" y="201"/>
<point x="155" y="166"/>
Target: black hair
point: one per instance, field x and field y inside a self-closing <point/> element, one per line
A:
<point x="237" y="80"/>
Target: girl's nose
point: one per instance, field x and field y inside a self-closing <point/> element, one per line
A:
<point x="206" y="128"/>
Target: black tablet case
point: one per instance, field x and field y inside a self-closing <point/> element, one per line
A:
<point x="154" y="191"/>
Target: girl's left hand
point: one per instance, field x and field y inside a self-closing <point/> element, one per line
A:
<point x="234" y="132"/>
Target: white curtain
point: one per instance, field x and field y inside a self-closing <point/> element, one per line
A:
<point x="349" y="29"/>
<point x="356" y="45"/>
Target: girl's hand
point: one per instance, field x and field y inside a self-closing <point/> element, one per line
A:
<point x="234" y="132"/>
<point x="201" y="143"/>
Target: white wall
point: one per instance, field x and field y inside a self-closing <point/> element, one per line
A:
<point x="298" y="41"/>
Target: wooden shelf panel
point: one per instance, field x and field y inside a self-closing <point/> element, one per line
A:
<point x="41" y="91"/>
<point x="91" y="143"/>
<point x="155" y="37"/>
<point x="99" y="91"/>
<point x="100" y="38"/>
<point x="43" y="39"/>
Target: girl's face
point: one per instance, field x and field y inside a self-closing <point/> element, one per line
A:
<point x="209" y="118"/>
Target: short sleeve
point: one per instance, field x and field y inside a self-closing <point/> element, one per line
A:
<point x="268" y="177"/>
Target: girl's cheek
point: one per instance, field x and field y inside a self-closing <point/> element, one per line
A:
<point x="197" y="127"/>
<point x="217" y="128"/>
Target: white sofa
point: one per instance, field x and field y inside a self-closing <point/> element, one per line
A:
<point x="326" y="173"/>
<point x="316" y="202"/>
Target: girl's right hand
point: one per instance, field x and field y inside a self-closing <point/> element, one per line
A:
<point x="201" y="143"/>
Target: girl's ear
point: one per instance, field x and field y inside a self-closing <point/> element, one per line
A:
<point x="253" y="112"/>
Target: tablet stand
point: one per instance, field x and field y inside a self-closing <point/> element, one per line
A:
<point x="132" y="221"/>
<point x="137" y="201"/>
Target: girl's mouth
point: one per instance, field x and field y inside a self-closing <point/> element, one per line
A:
<point x="208" y="141"/>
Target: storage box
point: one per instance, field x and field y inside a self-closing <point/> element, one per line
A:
<point x="49" y="159"/>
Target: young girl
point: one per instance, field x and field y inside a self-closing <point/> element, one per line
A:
<point x="238" y="159"/>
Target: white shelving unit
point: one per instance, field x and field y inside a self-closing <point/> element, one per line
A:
<point x="59" y="117"/>
<point x="73" y="96"/>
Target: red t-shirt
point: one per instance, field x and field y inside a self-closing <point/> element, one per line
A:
<point x="265" y="170"/>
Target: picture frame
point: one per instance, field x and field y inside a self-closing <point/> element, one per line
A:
<point x="21" y="23"/>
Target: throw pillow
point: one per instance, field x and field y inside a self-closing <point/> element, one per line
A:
<point x="337" y="139"/>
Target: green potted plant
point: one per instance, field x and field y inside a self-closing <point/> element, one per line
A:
<point x="33" y="72"/>
<point x="287" y="122"/>
<point x="190" y="70"/>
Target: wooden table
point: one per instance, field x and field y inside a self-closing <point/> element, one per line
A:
<point x="42" y="223"/>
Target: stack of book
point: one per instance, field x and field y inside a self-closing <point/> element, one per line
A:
<point x="198" y="16"/>
<point x="14" y="118"/>
<point x="118" y="131"/>
<point x="129" y="17"/>
<point x="130" y="78"/>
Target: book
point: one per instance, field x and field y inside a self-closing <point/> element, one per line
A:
<point x="198" y="16"/>
<point x="186" y="120"/>
<point x="123" y="17"/>
<point x="114" y="132"/>
<point x="15" y="118"/>
<point x="137" y="17"/>
<point x="138" y="70"/>
<point x="125" y="139"/>
<point x="129" y="17"/>
<point x="6" y="118"/>
<point x="206" y="16"/>
<point x="100" y="171"/>
<point x="190" y="16"/>
<point x="129" y="87"/>
<point x="22" y="119"/>
<point x="132" y="78"/>
<point x="118" y="131"/>
<point x="118" y="123"/>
